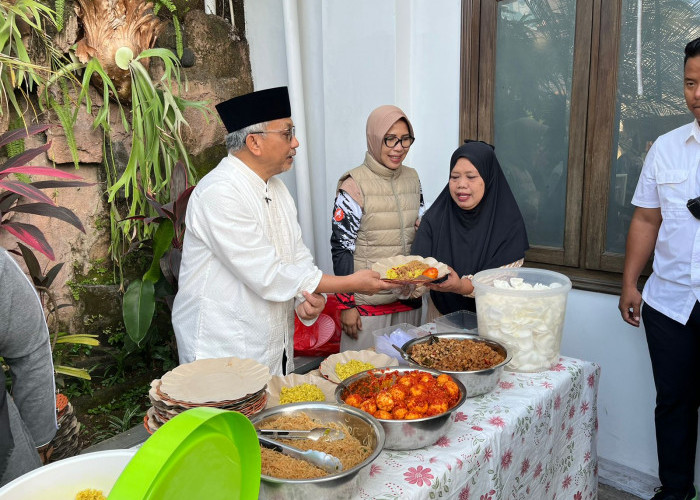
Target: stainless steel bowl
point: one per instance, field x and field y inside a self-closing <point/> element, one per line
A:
<point x="342" y="485"/>
<point x="407" y="434"/>
<point x="477" y="382"/>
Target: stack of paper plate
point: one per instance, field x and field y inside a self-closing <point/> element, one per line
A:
<point x="226" y="383"/>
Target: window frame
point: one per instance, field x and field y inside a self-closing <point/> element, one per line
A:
<point x="591" y="122"/>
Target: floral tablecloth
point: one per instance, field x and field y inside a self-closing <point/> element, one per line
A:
<point x="533" y="437"/>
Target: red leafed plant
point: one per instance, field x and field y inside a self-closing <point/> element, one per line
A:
<point x="26" y="197"/>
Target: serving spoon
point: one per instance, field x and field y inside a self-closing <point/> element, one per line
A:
<point x="327" y="462"/>
<point x="326" y="433"/>
<point x="405" y="355"/>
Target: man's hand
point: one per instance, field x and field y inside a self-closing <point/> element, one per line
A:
<point x="630" y="305"/>
<point x="641" y="239"/>
<point x="367" y="281"/>
<point x="351" y="322"/>
<point x="311" y="307"/>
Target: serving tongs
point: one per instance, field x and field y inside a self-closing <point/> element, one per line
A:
<point x="324" y="433"/>
<point x="327" y="462"/>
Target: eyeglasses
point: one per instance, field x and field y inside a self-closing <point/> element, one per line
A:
<point x="391" y="141"/>
<point x="694" y="207"/>
<point x="289" y="133"/>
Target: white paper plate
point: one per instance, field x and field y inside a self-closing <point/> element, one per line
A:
<point x="378" y="360"/>
<point x="274" y="387"/>
<point x="216" y="379"/>
<point x="383" y="265"/>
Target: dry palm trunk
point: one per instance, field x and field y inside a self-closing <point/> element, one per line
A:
<point x="111" y="24"/>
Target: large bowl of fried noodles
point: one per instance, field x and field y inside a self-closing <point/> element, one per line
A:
<point x="289" y="478"/>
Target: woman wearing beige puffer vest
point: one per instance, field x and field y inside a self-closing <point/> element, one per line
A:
<point x="376" y="209"/>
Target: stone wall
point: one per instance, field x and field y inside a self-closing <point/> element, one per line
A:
<point x="216" y="67"/>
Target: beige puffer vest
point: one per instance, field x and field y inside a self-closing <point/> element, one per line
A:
<point x="389" y="212"/>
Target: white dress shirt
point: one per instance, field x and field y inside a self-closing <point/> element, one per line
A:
<point x="243" y="264"/>
<point x="668" y="180"/>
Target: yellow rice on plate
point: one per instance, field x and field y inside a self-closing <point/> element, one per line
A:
<point x="345" y="370"/>
<point x="408" y="271"/>
<point x="300" y="393"/>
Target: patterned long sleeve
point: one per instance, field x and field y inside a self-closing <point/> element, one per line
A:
<point x="347" y="214"/>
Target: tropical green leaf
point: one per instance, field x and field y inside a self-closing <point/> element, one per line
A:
<point x="162" y="241"/>
<point x="138" y="307"/>
<point x="77" y="338"/>
<point x="72" y="371"/>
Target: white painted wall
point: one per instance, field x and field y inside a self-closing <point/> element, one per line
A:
<point x="595" y="331"/>
<point x="357" y="55"/>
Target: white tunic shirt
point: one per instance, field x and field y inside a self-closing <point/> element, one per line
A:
<point x="243" y="264"/>
<point x="668" y="180"/>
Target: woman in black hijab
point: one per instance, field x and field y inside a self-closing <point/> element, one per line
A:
<point x="474" y="224"/>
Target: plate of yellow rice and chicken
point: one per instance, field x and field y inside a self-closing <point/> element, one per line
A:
<point x="410" y="269"/>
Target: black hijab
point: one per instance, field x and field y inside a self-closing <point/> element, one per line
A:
<point x="490" y="235"/>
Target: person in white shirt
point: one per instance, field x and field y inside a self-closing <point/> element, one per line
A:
<point x="666" y="221"/>
<point x="245" y="270"/>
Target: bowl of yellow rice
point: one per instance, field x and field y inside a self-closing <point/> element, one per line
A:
<point x="83" y="477"/>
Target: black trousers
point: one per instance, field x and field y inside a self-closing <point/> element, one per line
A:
<point x="674" y="349"/>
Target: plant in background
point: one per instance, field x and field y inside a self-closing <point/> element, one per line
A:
<point x="114" y="32"/>
<point x="10" y="203"/>
<point x="42" y="282"/>
<point x="117" y="425"/>
<point x="168" y="4"/>
<point x="156" y="115"/>
<point x="139" y="303"/>
<point x="15" y="147"/>
<point x="156" y="122"/>
<point x="18" y="19"/>
<point x="59" y="6"/>
<point x="12" y="189"/>
<point x="28" y="57"/>
<point x="111" y="26"/>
